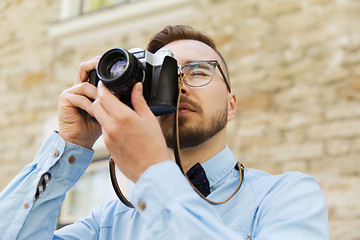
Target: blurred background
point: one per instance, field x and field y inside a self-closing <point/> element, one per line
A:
<point x="294" y="65"/>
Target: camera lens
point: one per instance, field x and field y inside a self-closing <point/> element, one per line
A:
<point x="117" y="69"/>
<point x="120" y="70"/>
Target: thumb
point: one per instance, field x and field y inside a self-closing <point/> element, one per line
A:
<point x="138" y="101"/>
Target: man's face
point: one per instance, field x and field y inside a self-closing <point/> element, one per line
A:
<point x="203" y="111"/>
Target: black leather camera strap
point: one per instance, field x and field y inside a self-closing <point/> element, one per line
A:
<point x="115" y="184"/>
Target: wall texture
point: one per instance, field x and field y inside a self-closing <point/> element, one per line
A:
<point x="294" y="65"/>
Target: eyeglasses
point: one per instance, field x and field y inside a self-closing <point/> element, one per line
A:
<point x="200" y="73"/>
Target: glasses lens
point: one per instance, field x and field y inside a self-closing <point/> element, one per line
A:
<point x="117" y="69"/>
<point x="198" y="74"/>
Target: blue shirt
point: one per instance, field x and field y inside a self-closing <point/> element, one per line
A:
<point x="287" y="206"/>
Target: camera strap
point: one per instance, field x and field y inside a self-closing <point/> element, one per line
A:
<point x="115" y="185"/>
<point x="177" y="155"/>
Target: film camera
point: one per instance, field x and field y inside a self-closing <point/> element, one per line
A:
<point x="120" y="70"/>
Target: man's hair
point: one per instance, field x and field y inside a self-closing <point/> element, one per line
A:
<point x="183" y="32"/>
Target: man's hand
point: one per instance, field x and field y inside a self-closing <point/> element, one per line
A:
<point x="75" y="126"/>
<point x="133" y="137"/>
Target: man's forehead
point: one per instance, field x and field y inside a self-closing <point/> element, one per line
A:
<point x="187" y="51"/>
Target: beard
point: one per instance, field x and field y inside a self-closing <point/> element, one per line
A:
<point x="193" y="133"/>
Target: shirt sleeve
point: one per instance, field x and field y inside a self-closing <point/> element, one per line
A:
<point x="293" y="209"/>
<point x="24" y="218"/>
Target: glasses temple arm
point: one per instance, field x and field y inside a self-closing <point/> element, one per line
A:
<point x="224" y="77"/>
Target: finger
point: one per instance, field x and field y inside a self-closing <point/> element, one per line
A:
<point x="139" y="103"/>
<point x="75" y="100"/>
<point x="85" y="89"/>
<point x="100" y="113"/>
<point x="84" y="70"/>
<point x="110" y="102"/>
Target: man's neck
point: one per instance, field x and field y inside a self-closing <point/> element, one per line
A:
<point x="204" y="151"/>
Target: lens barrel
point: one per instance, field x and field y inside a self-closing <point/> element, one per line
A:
<point x="120" y="70"/>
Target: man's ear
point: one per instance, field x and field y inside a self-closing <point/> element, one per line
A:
<point x="231" y="106"/>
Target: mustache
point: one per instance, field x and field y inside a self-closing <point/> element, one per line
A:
<point x="193" y="105"/>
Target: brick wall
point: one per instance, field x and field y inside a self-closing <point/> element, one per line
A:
<point x="294" y="65"/>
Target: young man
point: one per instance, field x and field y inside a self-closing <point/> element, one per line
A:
<point x="288" y="206"/>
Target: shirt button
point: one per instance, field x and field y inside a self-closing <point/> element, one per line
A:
<point x="55" y="153"/>
<point x="71" y="159"/>
<point x="141" y="206"/>
<point x="26" y="205"/>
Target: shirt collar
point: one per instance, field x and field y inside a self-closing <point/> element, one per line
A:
<point x="217" y="167"/>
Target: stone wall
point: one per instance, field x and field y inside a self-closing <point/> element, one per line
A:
<point x="294" y="65"/>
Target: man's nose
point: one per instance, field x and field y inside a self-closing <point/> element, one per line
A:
<point x="185" y="89"/>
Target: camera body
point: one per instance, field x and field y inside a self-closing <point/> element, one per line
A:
<point x="120" y="70"/>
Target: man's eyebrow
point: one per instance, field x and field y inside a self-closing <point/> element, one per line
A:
<point x="189" y="61"/>
<point x="195" y="60"/>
